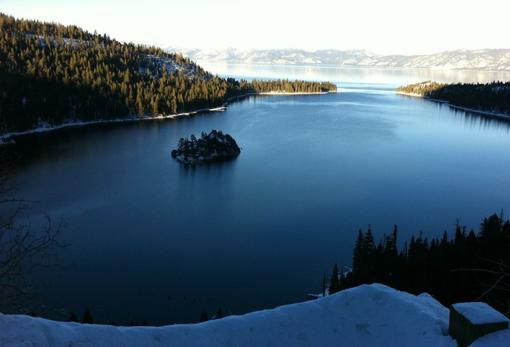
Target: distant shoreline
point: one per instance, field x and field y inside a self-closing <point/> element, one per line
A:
<point x="457" y="107"/>
<point x="9" y="138"/>
<point x="356" y="67"/>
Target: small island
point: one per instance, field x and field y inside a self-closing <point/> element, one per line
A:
<point x="213" y="147"/>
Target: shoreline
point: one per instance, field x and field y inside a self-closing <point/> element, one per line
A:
<point x="355" y="67"/>
<point x="293" y="93"/>
<point x="242" y="96"/>
<point x="10" y="138"/>
<point x="457" y="107"/>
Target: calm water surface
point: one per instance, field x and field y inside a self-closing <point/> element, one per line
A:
<point x="150" y="239"/>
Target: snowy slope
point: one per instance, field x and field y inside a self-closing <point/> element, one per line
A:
<point x="369" y="315"/>
<point x="149" y="63"/>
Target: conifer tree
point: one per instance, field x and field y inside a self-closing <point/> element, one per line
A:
<point x="334" y="285"/>
<point x="87" y="317"/>
<point x="357" y="253"/>
<point x="204" y="316"/>
<point x="73" y="317"/>
<point x="324" y="284"/>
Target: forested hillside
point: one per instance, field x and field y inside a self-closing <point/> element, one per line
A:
<point x="50" y="73"/>
<point x="491" y="97"/>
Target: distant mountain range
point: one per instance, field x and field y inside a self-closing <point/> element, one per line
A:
<point x="483" y="59"/>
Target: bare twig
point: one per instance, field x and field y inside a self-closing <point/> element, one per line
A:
<point x="493" y="286"/>
<point x="500" y="275"/>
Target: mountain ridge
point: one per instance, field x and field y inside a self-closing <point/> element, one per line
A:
<point x="481" y="59"/>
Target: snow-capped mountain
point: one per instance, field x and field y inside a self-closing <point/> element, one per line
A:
<point x="483" y="59"/>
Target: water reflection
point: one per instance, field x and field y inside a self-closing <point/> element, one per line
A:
<point x="480" y="121"/>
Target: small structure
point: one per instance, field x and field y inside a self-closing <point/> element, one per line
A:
<point x="471" y="320"/>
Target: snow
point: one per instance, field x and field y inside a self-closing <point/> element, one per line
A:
<point x="368" y="315"/>
<point x="498" y="339"/>
<point x="479" y="313"/>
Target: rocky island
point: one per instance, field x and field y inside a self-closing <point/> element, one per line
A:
<point x="212" y="147"/>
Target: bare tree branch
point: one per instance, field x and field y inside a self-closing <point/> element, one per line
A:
<point x="499" y="276"/>
<point x="22" y="247"/>
<point x="493" y="286"/>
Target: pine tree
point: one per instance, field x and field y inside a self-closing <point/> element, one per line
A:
<point x="357" y="253"/>
<point x="103" y="78"/>
<point x="204" y="317"/>
<point x="334" y="285"/>
<point x="87" y="317"/>
<point x="324" y="285"/>
<point x="73" y="317"/>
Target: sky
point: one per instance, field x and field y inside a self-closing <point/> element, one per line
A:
<point x="380" y="26"/>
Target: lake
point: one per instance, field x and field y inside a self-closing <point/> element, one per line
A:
<point x="149" y="239"/>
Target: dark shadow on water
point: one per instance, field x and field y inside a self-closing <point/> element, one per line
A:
<point x="468" y="98"/>
<point x="218" y="172"/>
<point x="54" y="144"/>
<point x="474" y="119"/>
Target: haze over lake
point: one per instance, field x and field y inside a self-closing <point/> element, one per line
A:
<point x="397" y="76"/>
<point x="150" y="239"/>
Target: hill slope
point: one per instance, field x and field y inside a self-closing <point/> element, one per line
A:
<point x="51" y="73"/>
<point x="54" y="74"/>
<point x="369" y="315"/>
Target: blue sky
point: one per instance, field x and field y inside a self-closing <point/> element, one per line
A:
<point x="383" y="26"/>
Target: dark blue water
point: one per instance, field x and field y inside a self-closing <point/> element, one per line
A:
<point x="150" y="239"/>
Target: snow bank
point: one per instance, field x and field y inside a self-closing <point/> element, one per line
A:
<point x="368" y="315"/>
<point x="498" y="339"/>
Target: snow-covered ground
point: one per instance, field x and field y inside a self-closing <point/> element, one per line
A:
<point x="368" y="315"/>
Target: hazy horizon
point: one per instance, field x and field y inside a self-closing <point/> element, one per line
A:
<point x="381" y="27"/>
<point x="331" y="49"/>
